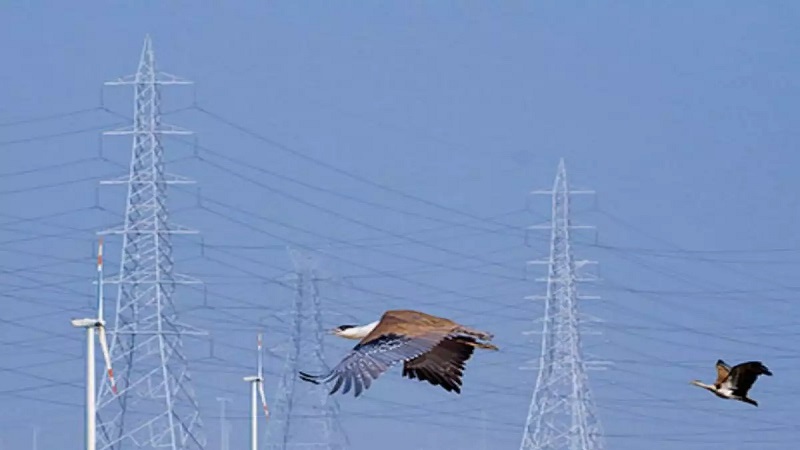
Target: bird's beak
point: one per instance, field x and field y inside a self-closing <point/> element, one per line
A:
<point x="332" y="331"/>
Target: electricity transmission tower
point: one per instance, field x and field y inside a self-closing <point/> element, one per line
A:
<point x="224" y="426"/>
<point x="305" y="416"/>
<point x="156" y="406"/>
<point x="562" y="412"/>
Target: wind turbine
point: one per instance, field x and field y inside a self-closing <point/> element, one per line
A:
<point x="91" y="324"/>
<point x="257" y="389"/>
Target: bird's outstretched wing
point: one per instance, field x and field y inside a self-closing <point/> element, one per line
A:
<point x="443" y="365"/>
<point x="742" y="376"/>
<point x="722" y="372"/>
<point x="368" y="360"/>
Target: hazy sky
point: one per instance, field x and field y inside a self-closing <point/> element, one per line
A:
<point x="401" y="141"/>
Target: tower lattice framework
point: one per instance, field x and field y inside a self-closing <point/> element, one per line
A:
<point x="305" y="416"/>
<point x="562" y="413"/>
<point x="156" y="406"/>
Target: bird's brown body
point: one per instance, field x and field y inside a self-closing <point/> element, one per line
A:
<point x="432" y="349"/>
<point x="444" y="364"/>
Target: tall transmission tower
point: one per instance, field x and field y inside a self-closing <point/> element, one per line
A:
<point x="562" y="412"/>
<point x="224" y="426"/>
<point x="305" y="416"/>
<point x="155" y="406"/>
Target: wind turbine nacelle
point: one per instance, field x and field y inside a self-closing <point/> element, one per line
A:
<point x="252" y="379"/>
<point x="84" y="323"/>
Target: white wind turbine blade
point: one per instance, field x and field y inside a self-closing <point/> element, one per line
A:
<point x="101" y="333"/>
<point x="100" y="278"/>
<point x="263" y="399"/>
<point x="261" y="377"/>
<point x="101" y="329"/>
<point x="260" y="364"/>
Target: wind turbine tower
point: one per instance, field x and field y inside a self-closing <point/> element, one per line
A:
<point x="562" y="412"/>
<point x="92" y="324"/>
<point x="256" y="390"/>
<point x="156" y="406"/>
<point x="305" y="416"/>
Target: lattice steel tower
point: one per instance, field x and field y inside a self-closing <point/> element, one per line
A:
<point x="155" y="407"/>
<point x="562" y="413"/>
<point x="305" y="416"/>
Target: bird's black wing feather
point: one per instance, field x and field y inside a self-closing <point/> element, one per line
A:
<point x="443" y="365"/>
<point x="742" y="376"/>
<point x="366" y="362"/>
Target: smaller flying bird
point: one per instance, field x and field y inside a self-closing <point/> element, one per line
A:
<point x="734" y="383"/>
<point x="432" y="349"/>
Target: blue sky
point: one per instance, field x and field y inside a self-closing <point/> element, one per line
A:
<point x="401" y="139"/>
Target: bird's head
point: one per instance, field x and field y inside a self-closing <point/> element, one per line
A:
<point x="699" y="383"/>
<point x="344" y="331"/>
<point x="353" y="331"/>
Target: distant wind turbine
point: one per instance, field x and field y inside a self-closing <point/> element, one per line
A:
<point x="90" y="324"/>
<point x="257" y="389"/>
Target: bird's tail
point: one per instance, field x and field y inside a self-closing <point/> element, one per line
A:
<point x="474" y="343"/>
<point x="476" y="333"/>
<point x="486" y="346"/>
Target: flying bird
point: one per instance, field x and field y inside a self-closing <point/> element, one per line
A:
<point x="734" y="383"/>
<point x="432" y="349"/>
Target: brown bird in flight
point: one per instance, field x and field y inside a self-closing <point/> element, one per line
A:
<point x="734" y="383"/>
<point x="432" y="349"/>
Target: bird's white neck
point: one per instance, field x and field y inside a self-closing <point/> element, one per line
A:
<point x="359" y="332"/>
<point x="699" y="383"/>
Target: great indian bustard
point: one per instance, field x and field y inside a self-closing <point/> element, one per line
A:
<point x="734" y="383"/>
<point x="432" y="349"/>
